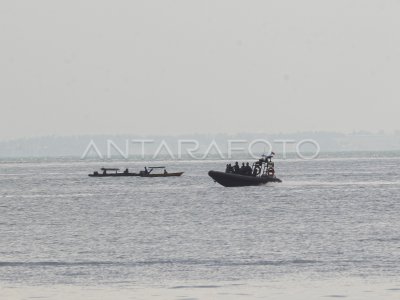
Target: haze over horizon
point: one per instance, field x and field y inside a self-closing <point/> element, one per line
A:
<point x="193" y="135"/>
<point x="163" y="67"/>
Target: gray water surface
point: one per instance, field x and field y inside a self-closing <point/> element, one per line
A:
<point x="330" y="218"/>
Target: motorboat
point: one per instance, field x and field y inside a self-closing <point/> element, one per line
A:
<point x="261" y="172"/>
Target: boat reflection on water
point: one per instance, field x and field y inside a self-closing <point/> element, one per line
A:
<point x="261" y="172"/>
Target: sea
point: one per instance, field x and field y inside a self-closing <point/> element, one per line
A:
<point x="330" y="230"/>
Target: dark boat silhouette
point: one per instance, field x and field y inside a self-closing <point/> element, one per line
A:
<point x="115" y="173"/>
<point x="262" y="172"/>
<point x="146" y="173"/>
<point x="232" y="180"/>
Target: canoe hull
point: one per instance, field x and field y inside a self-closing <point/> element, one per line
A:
<point x="136" y="174"/>
<point x="162" y="175"/>
<point x="236" y="180"/>
<point x="114" y="175"/>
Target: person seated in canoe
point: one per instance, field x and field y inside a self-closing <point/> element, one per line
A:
<point x="104" y="172"/>
<point x="236" y="168"/>
<point x="145" y="172"/>
<point x="126" y="171"/>
<point x="165" y="172"/>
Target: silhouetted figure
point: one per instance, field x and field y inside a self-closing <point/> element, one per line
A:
<point x="104" y="172"/>
<point x="126" y="171"/>
<point x="242" y="169"/>
<point x="146" y="172"/>
<point x="248" y="169"/>
<point x="165" y="172"/>
<point x="227" y="168"/>
<point x="236" y="168"/>
<point x="257" y="168"/>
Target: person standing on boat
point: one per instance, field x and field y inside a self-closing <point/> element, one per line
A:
<point x="257" y="168"/>
<point x="248" y="170"/>
<point x="242" y="169"/>
<point x="236" y="168"/>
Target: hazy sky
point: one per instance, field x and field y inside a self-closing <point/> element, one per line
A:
<point x="171" y="67"/>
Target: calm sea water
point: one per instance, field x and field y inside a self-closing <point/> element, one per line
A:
<point x="335" y="217"/>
